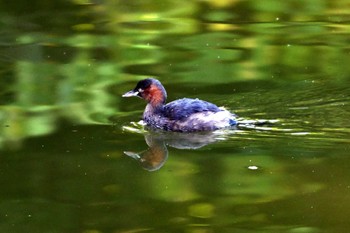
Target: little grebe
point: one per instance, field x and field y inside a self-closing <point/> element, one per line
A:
<point x="183" y="115"/>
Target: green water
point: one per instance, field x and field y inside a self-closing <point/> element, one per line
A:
<point x="66" y="132"/>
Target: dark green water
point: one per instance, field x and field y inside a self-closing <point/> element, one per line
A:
<point x="64" y="127"/>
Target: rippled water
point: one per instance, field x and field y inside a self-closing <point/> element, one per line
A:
<point x="75" y="159"/>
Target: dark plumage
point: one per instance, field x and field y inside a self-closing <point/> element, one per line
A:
<point x="182" y="108"/>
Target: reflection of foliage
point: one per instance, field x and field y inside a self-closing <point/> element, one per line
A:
<point x="46" y="91"/>
<point x="65" y="54"/>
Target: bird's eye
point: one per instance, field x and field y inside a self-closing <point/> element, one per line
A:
<point x="140" y="90"/>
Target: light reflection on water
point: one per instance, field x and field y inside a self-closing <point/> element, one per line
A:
<point x="65" y="65"/>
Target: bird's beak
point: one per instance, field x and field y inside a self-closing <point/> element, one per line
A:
<point x="130" y="93"/>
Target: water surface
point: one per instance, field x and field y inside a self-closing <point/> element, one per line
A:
<point x="65" y="127"/>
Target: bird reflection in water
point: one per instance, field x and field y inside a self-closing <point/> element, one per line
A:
<point x="156" y="155"/>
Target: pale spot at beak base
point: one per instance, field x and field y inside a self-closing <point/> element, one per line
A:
<point x="130" y="94"/>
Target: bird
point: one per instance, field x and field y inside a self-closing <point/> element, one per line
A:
<point x="182" y="115"/>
